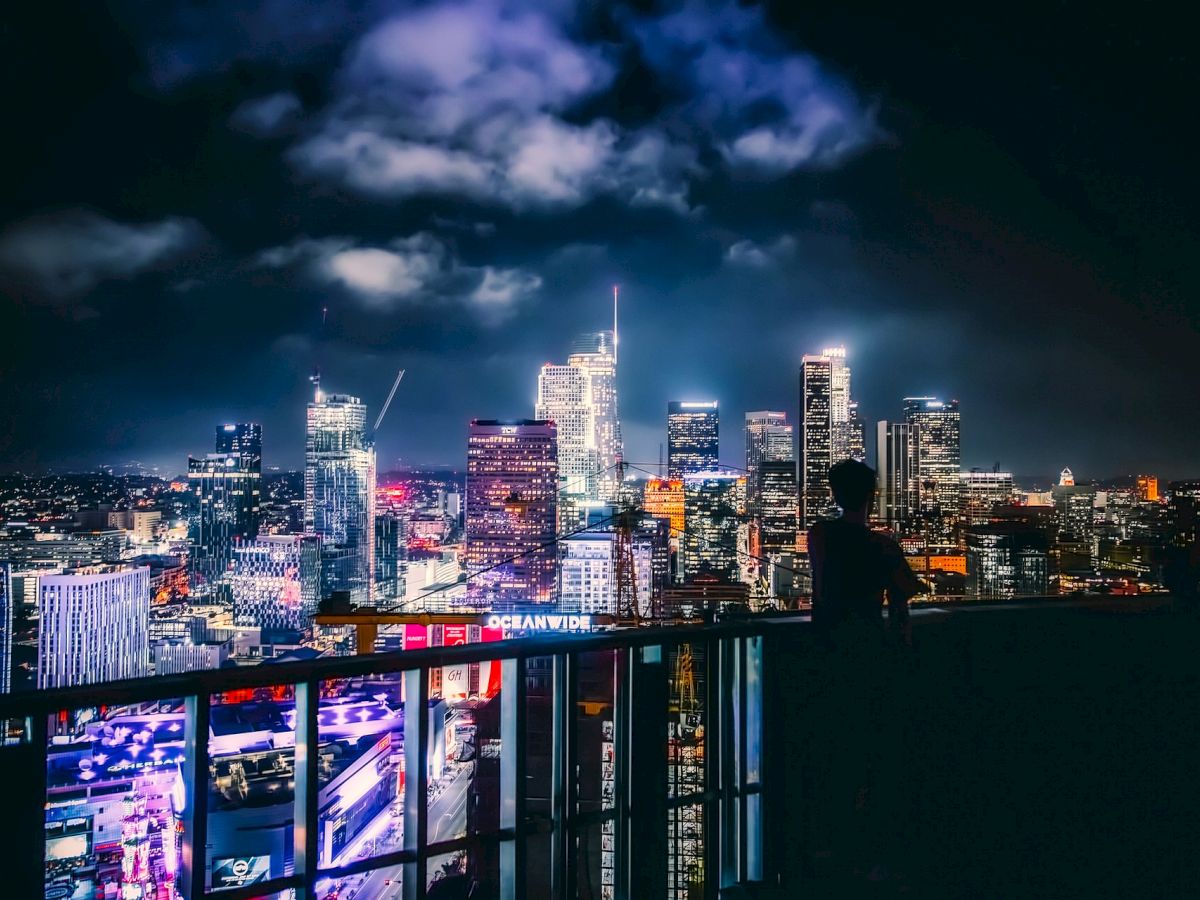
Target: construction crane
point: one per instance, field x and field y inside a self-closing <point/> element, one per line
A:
<point x="387" y="403"/>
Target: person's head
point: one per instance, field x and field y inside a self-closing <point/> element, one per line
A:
<point x="853" y="485"/>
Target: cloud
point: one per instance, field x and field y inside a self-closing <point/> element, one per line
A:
<point x="416" y="269"/>
<point x="475" y="99"/>
<point x="267" y="116"/>
<point x="68" y="254"/>
<point x="748" y="253"/>
<point x="765" y="107"/>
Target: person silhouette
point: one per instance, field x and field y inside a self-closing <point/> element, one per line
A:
<point x="854" y="569"/>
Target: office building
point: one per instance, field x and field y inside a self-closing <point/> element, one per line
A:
<point x="512" y="479"/>
<point x="776" y="508"/>
<point x="275" y="582"/>
<point x="1147" y="488"/>
<point x="391" y="554"/>
<point x="1005" y="561"/>
<point x="8" y="613"/>
<point x="768" y="437"/>
<point x="714" y="504"/>
<point x="587" y="573"/>
<point x="1075" y="511"/>
<point x="564" y="397"/>
<point x="936" y="462"/>
<point x="175" y="657"/>
<point x="339" y="494"/>
<point x="595" y="355"/>
<point x="692" y="437"/>
<point x="93" y="625"/>
<point x="816" y="438"/>
<point x="895" y="493"/>
<point x="227" y="511"/>
<point x="982" y="492"/>
<point x="241" y="439"/>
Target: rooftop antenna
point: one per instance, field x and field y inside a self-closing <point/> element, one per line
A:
<point x="315" y="378"/>
<point x="616" y="295"/>
<point x="388" y="402"/>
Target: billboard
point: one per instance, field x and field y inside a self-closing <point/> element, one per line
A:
<point x="235" y="871"/>
<point x="455" y="682"/>
<point x="454" y="635"/>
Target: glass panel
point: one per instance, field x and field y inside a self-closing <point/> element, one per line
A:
<point x="115" y="798"/>
<point x="685" y="852"/>
<point x="687" y="719"/>
<point x="539" y="765"/>
<point x="595" y="730"/>
<point x="251" y="785"/>
<point x="378" y="884"/>
<point x="360" y="768"/>
<point x="754" y="705"/>
<point x="596" y="861"/>
<point x="754" y="837"/>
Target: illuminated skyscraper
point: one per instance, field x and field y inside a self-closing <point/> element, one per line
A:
<point x="93" y="625"/>
<point x="1075" y="508"/>
<point x="242" y="439"/>
<point x="714" y="504"/>
<point x="227" y="511"/>
<point x="933" y="436"/>
<point x="512" y="479"/>
<point x="276" y="581"/>
<point x="1006" y="561"/>
<point x="768" y="438"/>
<point x="895" y="494"/>
<point x="982" y="492"/>
<point x="339" y="494"/>
<point x="564" y="397"/>
<point x="777" y="502"/>
<point x="692" y="437"/>
<point x="595" y="354"/>
<point x="587" y="580"/>
<point x="816" y="437"/>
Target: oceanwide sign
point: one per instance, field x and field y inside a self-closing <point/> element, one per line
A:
<point x="541" y="623"/>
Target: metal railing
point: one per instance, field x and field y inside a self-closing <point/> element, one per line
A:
<point x="625" y="764"/>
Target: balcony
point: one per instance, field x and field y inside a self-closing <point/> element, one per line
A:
<point x="1035" y="749"/>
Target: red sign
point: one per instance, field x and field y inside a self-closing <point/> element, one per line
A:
<point x="488" y="633"/>
<point x="454" y="635"/>
<point x="415" y="637"/>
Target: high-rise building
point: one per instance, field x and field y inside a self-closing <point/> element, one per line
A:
<point x="7" y="613"/>
<point x="894" y="499"/>
<point x="933" y="438"/>
<point x="714" y="504"/>
<point x="663" y="498"/>
<point x="856" y="447"/>
<point x="816" y="437"/>
<point x="564" y="397"/>
<point x="339" y="494"/>
<point x="595" y="354"/>
<point x="512" y="481"/>
<point x="1075" y="510"/>
<point x="777" y="501"/>
<point x="1147" y="488"/>
<point x="587" y="579"/>
<point x="768" y="438"/>
<point x="692" y="437"/>
<point x="241" y="439"/>
<point x="391" y="554"/>
<point x="840" y="403"/>
<point x="227" y="489"/>
<point x="982" y="492"/>
<point x="1006" y="561"/>
<point x="93" y="625"/>
<point x="276" y="581"/>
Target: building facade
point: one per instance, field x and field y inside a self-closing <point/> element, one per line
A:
<point x="714" y="505"/>
<point x="982" y="492"/>
<point x="587" y="573"/>
<point x="816" y="438"/>
<point x="227" y="489"/>
<point x="693" y="432"/>
<point x="93" y="625"/>
<point x="339" y="494"/>
<point x="595" y="355"/>
<point x="276" y="581"/>
<point x="769" y="437"/>
<point x="936" y="462"/>
<point x="511" y="513"/>
<point x="1004" y="562"/>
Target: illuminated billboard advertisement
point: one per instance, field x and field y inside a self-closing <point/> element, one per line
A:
<point x="71" y="846"/>
<point x="235" y="871"/>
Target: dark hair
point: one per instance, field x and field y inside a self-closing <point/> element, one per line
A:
<point x="853" y="483"/>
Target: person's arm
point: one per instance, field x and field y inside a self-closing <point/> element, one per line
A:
<point x="902" y="586"/>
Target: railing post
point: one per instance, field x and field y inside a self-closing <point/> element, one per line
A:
<point x="416" y="780"/>
<point x="622" y="705"/>
<point x="647" y="785"/>
<point x="512" y="778"/>
<point x="715" y="788"/>
<point x="305" y="831"/>
<point x="563" y="778"/>
<point x="25" y="810"/>
<point x="729" y="731"/>
<point x="194" y="855"/>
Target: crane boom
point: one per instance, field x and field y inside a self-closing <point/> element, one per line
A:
<point x="388" y="402"/>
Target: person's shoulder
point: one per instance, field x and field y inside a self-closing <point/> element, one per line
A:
<point x="886" y="544"/>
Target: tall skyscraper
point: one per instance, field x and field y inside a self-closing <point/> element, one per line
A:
<point x="564" y="397"/>
<point x="587" y="579"/>
<point x="692" y="437"/>
<point x="777" y="507"/>
<point x="276" y="582"/>
<point x="982" y="492"/>
<point x="512" y="480"/>
<point x="768" y="438"/>
<point x="93" y="625"/>
<point x="227" y="490"/>
<point x="339" y="494"/>
<point x="595" y="354"/>
<point x="933" y="435"/>
<point x="894" y="500"/>
<point x="391" y="558"/>
<point x="714" y="503"/>
<point x="241" y="439"/>
<point x="816" y="437"/>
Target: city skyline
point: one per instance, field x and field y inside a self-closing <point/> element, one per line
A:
<point x="211" y="218"/>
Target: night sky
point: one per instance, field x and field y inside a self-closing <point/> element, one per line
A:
<point x="998" y="209"/>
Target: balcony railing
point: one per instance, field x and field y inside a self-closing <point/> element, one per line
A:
<point x="626" y="764"/>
